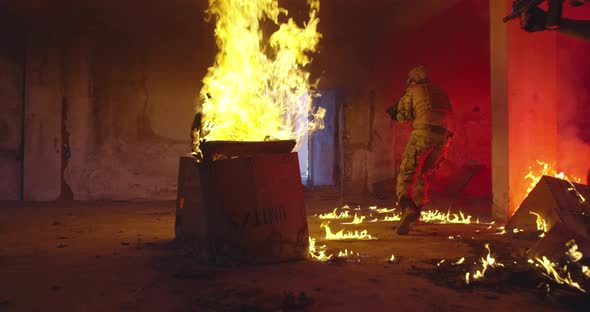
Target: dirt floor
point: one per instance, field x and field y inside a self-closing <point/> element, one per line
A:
<point x="116" y="256"/>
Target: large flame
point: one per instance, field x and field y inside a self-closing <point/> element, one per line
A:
<point x="259" y="88"/>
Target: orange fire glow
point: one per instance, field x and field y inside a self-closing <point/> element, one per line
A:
<point x="259" y="87"/>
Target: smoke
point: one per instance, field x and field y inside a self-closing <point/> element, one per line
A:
<point x="574" y="107"/>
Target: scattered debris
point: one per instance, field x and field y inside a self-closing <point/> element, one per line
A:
<point x="290" y="301"/>
<point x="124" y="243"/>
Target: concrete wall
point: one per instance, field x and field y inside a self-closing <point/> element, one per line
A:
<point x="110" y="95"/>
<point x="111" y="88"/>
<point x="11" y="69"/>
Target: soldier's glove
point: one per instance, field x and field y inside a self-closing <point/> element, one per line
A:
<point x="533" y="20"/>
<point x="392" y="112"/>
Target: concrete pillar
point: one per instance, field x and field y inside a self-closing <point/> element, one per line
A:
<point x="499" y="101"/>
<point x="524" y="106"/>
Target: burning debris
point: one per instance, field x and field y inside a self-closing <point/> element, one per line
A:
<point x="545" y="169"/>
<point x="348" y="235"/>
<point x="569" y="271"/>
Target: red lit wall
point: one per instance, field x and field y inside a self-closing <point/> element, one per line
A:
<point x="454" y="47"/>
<point x="545" y="76"/>
<point x="573" y="102"/>
<point x="532" y="110"/>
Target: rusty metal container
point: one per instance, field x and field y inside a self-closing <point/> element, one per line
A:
<point x="216" y="150"/>
<point x="244" y="210"/>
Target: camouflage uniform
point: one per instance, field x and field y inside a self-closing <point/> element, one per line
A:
<point x="429" y="109"/>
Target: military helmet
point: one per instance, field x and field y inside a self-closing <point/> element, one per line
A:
<point x="418" y="75"/>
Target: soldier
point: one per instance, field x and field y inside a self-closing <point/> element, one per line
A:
<point x="536" y="19"/>
<point x="428" y="108"/>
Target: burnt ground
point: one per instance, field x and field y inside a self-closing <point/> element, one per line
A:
<point x="117" y="256"/>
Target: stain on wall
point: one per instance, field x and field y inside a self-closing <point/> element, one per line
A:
<point x="11" y="59"/>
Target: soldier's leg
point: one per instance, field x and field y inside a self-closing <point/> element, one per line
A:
<point x="407" y="170"/>
<point x="405" y="184"/>
<point x="429" y="162"/>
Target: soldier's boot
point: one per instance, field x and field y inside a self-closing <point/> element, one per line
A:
<point x="410" y="214"/>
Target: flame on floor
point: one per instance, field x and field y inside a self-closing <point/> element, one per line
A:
<point x="356" y="220"/>
<point x="394" y="217"/>
<point x="318" y="253"/>
<point x="346" y="253"/>
<point x="435" y="216"/>
<point x="335" y="215"/>
<point x="555" y="276"/>
<point x="487" y="262"/>
<point x="381" y="210"/>
<point x="348" y="235"/>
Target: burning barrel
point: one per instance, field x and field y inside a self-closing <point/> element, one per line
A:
<point x="243" y="203"/>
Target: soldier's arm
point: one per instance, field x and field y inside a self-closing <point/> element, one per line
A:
<point x="575" y="28"/>
<point x="402" y="110"/>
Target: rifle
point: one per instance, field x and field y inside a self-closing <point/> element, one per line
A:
<point x="522" y="6"/>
